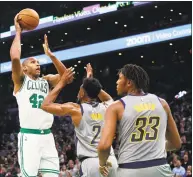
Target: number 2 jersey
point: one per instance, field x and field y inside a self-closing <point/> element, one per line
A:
<point x="29" y="99"/>
<point x="142" y="129"/>
<point x="88" y="132"/>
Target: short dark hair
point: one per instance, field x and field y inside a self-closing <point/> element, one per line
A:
<point x="92" y="87"/>
<point x="137" y="74"/>
<point x="25" y="62"/>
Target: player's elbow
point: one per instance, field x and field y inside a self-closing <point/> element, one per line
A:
<point x="103" y="146"/>
<point x="43" y="106"/>
<point x="178" y="144"/>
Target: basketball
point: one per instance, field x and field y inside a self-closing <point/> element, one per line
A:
<point x="28" y="19"/>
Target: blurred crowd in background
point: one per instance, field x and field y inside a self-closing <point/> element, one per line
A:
<point x="169" y="65"/>
<point x="63" y="130"/>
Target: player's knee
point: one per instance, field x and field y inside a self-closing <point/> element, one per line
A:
<point x="50" y="175"/>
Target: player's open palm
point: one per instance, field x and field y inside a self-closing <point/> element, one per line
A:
<point x="89" y="70"/>
<point x="68" y="76"/>
<point x="46" y="46"/>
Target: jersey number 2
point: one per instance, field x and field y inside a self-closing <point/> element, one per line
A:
<point x="36" y="100"/>
<point x="141" y="126"/>
<point x="97" y="129"/>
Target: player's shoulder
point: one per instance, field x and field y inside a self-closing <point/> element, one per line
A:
<point x="116" y="105"/>
<point x="107" y="103"/>
<point x="164" y="104"/>
<point x="73" y="108"/>
<point x="51" y="76"/>
<point x="46" y="77"/>
<point x="74" y="104"/>
<point x="163" y="101"/>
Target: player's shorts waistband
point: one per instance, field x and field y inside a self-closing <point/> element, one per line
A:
<point x="143" y="164"/>
<point x="35" y="131"/>
<point x="81" y="159"/>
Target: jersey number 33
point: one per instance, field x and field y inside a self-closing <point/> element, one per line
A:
<point x="146" y="129"/>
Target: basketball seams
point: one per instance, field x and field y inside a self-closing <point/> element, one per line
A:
<point x="29" y="16"/>
<point x="27" y="24"/>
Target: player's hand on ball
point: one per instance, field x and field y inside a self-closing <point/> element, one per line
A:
<point x="89" y="70"/>
<point x="46" y="47"/>
<point x="16" y="23"/>
<point x="104" y="170"/>
<point x="68" y="76"/>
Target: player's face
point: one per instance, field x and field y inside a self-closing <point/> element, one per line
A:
<point x="122" y="85"/>
<point x="32" y="67"/>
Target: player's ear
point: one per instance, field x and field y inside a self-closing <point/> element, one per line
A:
<point x="24" y="67"/>
<point x="129" y="83"/>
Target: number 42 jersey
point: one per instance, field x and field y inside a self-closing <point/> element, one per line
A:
<point x="29" y="99"/>
<point x="142" y="129"/>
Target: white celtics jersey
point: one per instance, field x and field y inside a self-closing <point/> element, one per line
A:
<point x="29" y="99"/>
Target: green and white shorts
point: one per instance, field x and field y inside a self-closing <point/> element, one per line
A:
<point x="37" y="152"/>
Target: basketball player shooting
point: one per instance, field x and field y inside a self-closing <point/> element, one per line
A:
<point x="145" y="123"/>
<point x="36" y="146"/>
<point x="88" y="119"/>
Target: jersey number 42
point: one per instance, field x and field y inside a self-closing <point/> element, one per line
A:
<point x="36" y="100"/>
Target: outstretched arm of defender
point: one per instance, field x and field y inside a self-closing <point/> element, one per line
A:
<point x="15" y="53"/>
<point x="51" y="78"/>
<point x="71" y="109"/>
<point x="49" y="100"/>
<point x="103" y="96"/>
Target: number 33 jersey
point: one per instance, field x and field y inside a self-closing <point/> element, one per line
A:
<point x="88" y="132"/>
<point x="142" y="129"/>
<point x="29" y="99"/>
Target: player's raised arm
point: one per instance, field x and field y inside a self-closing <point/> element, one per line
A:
<point x="15" y="53"/>
<point x="103" y="96"/>
<point x="71" y="109"/>
<point x="51" y="78"/>
<point x="48" y="102"/>
<point x="172" y="135"/>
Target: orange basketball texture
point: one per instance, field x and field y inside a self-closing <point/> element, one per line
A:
<point x="28" y="19"/>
